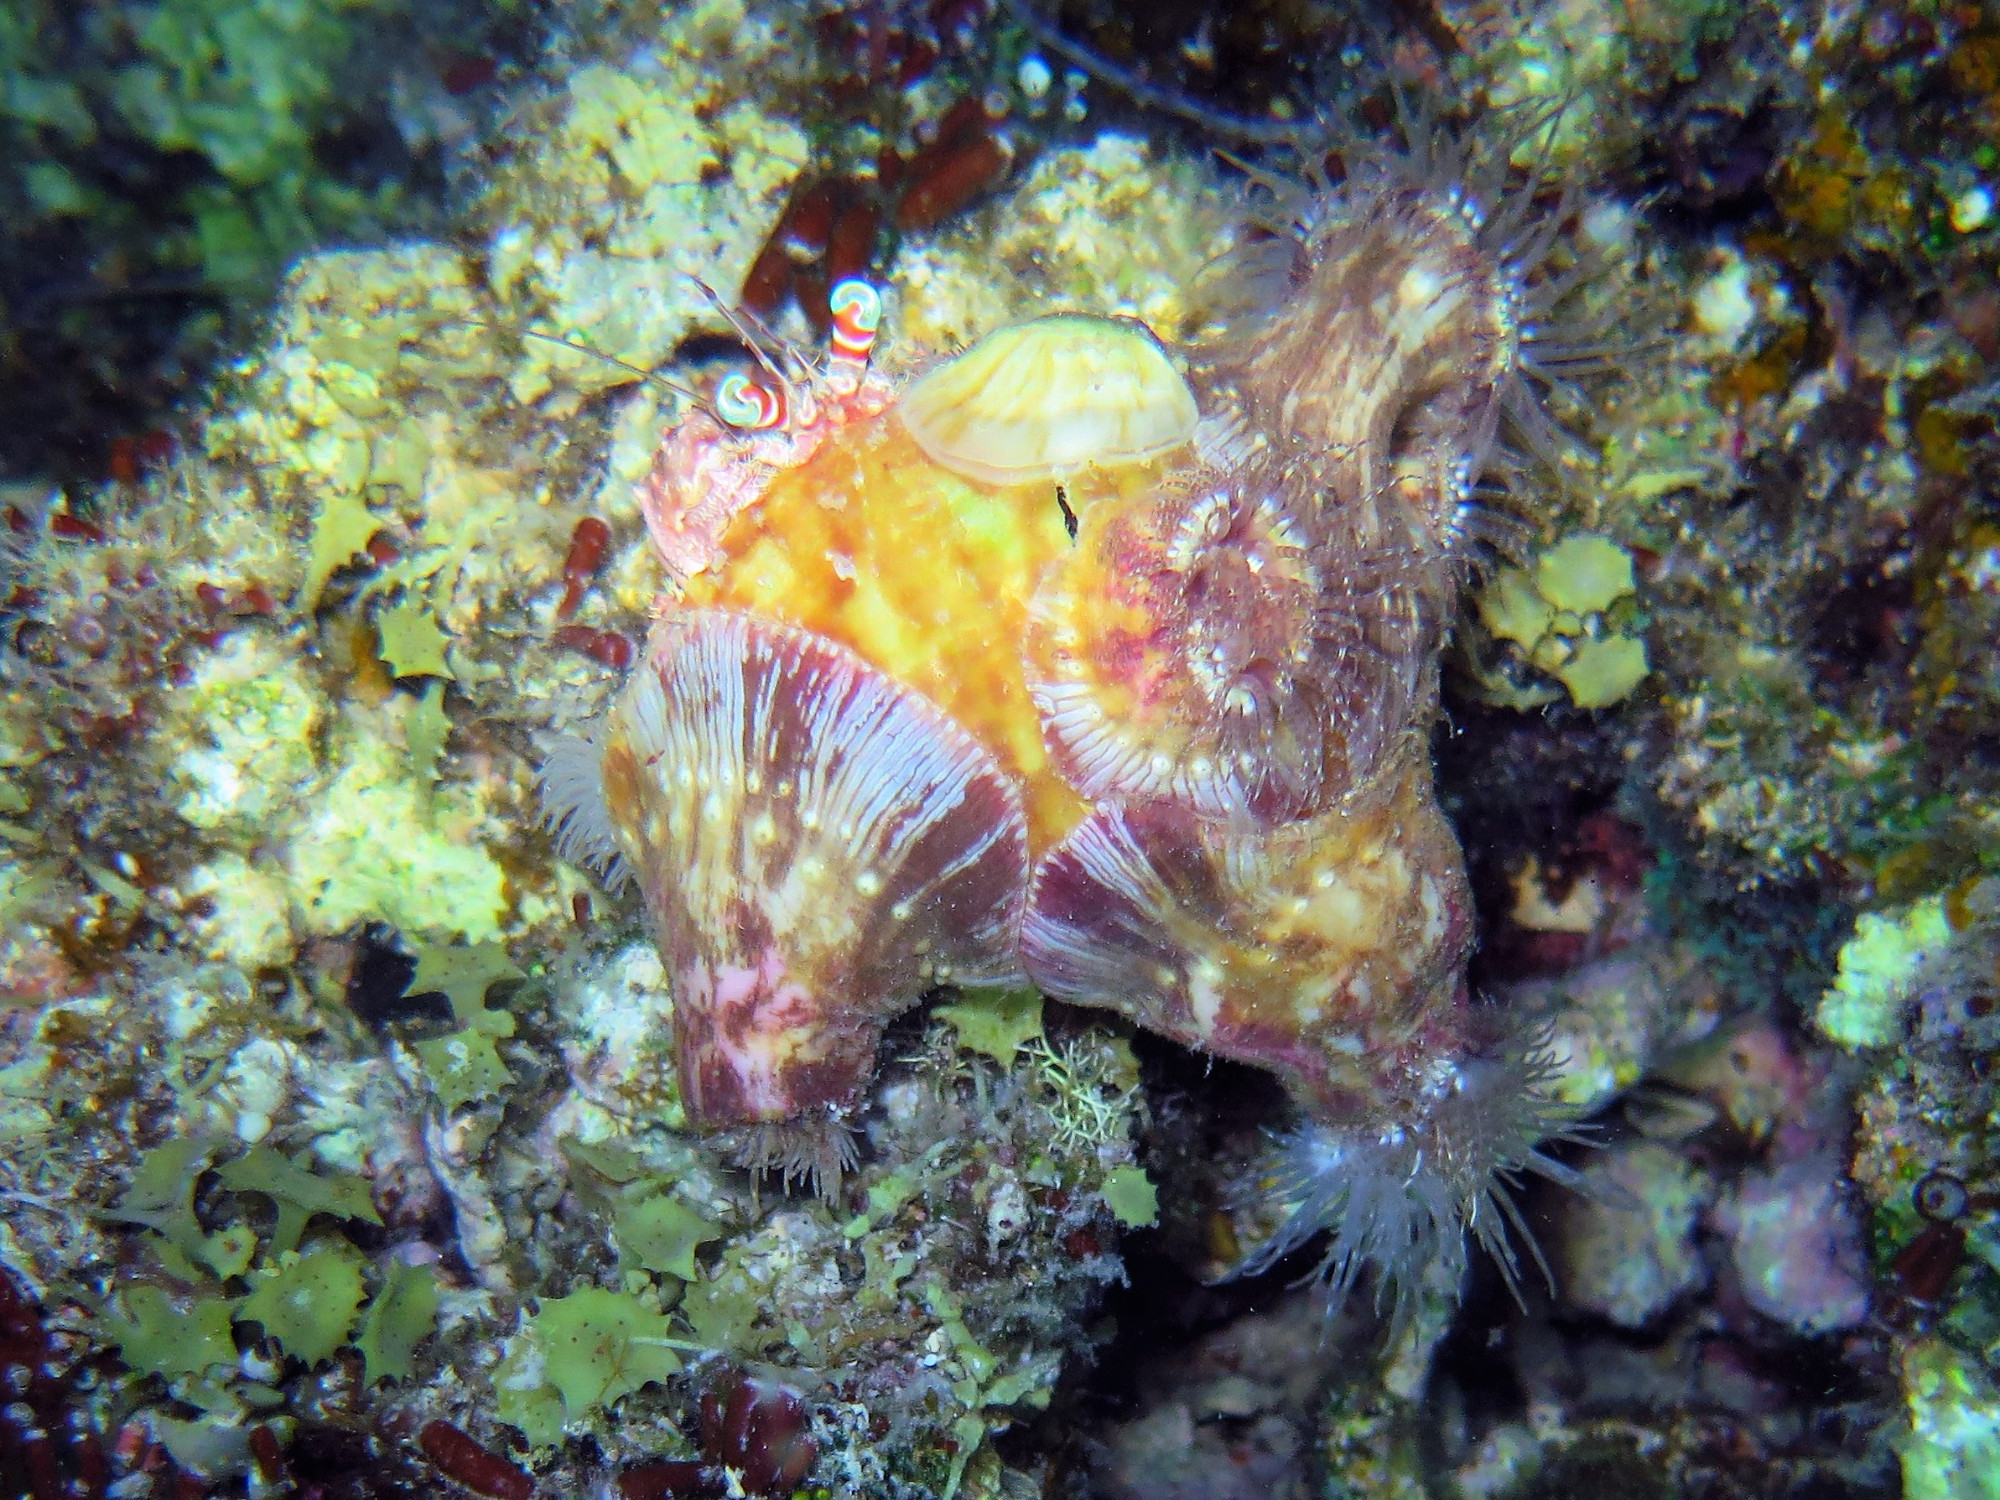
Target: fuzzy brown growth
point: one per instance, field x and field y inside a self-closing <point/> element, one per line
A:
<point x="1387" y="361"/>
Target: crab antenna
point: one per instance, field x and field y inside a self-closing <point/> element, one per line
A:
<point x="654" y="377"/>
<point x="757" y="338"/>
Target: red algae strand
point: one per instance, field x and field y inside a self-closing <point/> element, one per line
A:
<point x="943" y="183"/>
<point x="1923" y="1268"/>
<point x="762" y="1432"/>
<point x="587" y="546"/>
<point x="477" y="1468"/>
<point x="607" y="648"/>
<point x="268" y="1453"/>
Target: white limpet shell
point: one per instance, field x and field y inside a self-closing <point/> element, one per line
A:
<point x="1050" y="397"/>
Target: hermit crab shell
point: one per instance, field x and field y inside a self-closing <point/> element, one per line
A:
<point x="818" y="847"/>
<point x="1329" y="950"/>
<point x="1049" y="397"/>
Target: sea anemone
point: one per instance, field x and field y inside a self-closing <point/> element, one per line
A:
<point x="1202" y="645"/>
<point x="1267" y="876"/>
<point x="1454" y="280"/>
<point x="1403" y="1191"/>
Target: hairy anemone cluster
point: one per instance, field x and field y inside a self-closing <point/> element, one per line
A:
<point x="1509" y="267"/>
<point x="1395" y="335"/>
<point x="1403" y="1196"/>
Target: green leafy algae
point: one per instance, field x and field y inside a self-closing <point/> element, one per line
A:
<point x="466" y="1066"/>
<point x="411" y="641"/>
<point x="1132" y="1198"/>
<point x="579" y="1353"/>
<point x="296" y="1193"/>
<point x="998" y="1024"/>
<point x="426" y="730"/>
<point x="1556" y="615"/>
<point x="229" y="1251"/>
<point x="612" y="1162"/>
<point x="1603" y="672"/>
<point x="982" y="1384"/>
<point x="1513" y="610"/>
<point x="154" y="1335"/>
<point x="600" y="1346"/>
<point x="722" y="1309"/>
<point x="400" y="458"/>
<point x="662" y="1234"/>
<point x="161" y="1197"/>
<point x="1584" y="574"/>
<point x="521" y="1398"/>
<point x="462" y="973"/>
<point x="342" y="528"/>
<point x="402" y="1315"/>
<point x="307" y="1302"/>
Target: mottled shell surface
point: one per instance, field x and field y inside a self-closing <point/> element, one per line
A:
<point x="818" y="846"/>
<point x="1045" y="399"/>
<point x="923" y="573"/>
<point x="1330" y="950"/>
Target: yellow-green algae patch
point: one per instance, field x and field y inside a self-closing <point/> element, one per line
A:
<point x="251" y="714"/>
<point x="1570" y="617"/>
<point x="646" y="179"/>
<point x="1877" y="967"/>
<point x="375" y="842"/>
<point x="580" y="1353"/>
<point x="424" y="391"/>
<point x="1952" y="1451"/>
<point x="243" y="912"/>
<point x="1112" y="227"/>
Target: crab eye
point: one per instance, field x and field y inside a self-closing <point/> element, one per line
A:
<point x="856" y="310"/>
<point x="749" y="404"/>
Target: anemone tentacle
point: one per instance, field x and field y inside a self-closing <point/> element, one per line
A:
<point x="1395" y="1193"/>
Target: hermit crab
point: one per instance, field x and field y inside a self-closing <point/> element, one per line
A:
<point x="1082" y="662"/>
